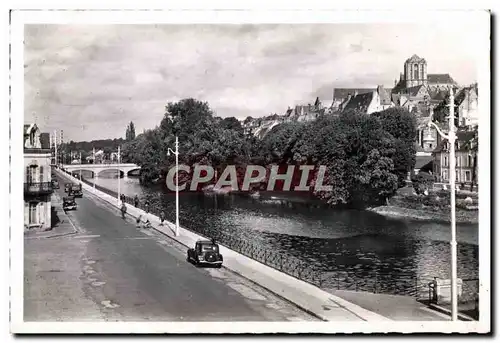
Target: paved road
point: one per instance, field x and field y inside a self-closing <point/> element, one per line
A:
<point x="110" y="270"/>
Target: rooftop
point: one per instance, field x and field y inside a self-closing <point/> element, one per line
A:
<point x="440" y="78"/>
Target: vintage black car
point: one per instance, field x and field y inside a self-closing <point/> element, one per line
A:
<point x="69" y="203"/>
<point x="205" y="252"/>
<point x="76" y="191"/>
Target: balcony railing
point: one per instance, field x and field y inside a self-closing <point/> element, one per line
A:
<point x="37" y="151"/>
<point x="38" y="188"/>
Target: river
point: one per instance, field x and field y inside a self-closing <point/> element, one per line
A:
<point x="333" y="241"/>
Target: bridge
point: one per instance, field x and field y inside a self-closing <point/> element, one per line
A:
<point x="89" y="170"/>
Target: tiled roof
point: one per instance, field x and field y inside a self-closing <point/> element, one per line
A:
<point x="422" y="161"/>
<point x="413" y="91"/>
<point x="342" y="93"/>
<point x="438" y="95"/>
<point x="360" y="102"/>
<point x="462" y="138"/>
<point x="440" y="78"/>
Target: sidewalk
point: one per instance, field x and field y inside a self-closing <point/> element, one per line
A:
<point x="63" y="226"/>
<point x="395" y="307"/>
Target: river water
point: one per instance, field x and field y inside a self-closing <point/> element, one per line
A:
<point x="398" y="253"/>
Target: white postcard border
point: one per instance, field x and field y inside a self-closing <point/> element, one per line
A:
<point x="18" y="19"/>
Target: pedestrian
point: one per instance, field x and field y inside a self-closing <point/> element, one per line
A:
<point x="162" y="217"/>
<point x="123" y="209"/>
<point x="146" y="206"/>
<point x="136" y="201"/>
<point x="138" y="221"/>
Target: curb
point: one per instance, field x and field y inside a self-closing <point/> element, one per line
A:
<point x="444" y="310"/>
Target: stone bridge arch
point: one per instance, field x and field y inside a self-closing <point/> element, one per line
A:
<point x="111" y="173"/>
<point x="86" y="173"/>
<point x="134" y="172"/>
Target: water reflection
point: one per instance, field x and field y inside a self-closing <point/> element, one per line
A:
<point x="333" y="241"/>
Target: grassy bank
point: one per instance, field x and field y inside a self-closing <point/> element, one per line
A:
<point x="470" y="217"/>
<point x="435" y="206"/>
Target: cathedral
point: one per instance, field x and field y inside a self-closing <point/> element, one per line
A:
<point x="417" y="83"/>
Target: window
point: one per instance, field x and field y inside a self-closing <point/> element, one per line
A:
<point x="470" y="162"/>
<point x="445" y="174"/>
<point x="456" y="176"/>
<point x="41" y="173"/>
<point x="467" y="175"/>
<point x="430" y="146"/>
<point x="32" y="213"/>
<point x="446" y="161"/>
<point x="30" y="178"/>
<point x="415" y="72"/>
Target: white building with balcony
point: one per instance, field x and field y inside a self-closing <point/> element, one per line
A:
<point x="37" y="178"/>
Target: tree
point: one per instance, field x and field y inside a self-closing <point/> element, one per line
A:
<point x="231" y="123"/>
<point x="402" y="125"/>
<point x="130" y="132"/>
<point x="422" y="182"/>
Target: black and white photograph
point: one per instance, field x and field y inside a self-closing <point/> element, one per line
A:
<point x="228" y="172"/>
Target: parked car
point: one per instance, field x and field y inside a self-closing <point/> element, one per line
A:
<point x="76" y="191"/>
<point x="205" y="252"/>
<point x="69" y="203"/>
<point x="55" y="184"/>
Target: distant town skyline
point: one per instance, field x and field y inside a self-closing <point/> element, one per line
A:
<point x="91" y="81"/>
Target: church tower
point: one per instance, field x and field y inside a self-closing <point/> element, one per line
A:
<point x="415" y="71"/>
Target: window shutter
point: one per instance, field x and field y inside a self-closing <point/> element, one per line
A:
<point x="41" y="174"/>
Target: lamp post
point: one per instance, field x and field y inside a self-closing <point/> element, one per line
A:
<point x="119" y="176"/>
<point x="451" y="137"/>
<point x="80" y="166"/>
<point x="176" y="153"/>
<point x="93" y="162"/>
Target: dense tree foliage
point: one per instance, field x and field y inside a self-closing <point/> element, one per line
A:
<point x="130" y="132"/>
<point x="366" y="156"/>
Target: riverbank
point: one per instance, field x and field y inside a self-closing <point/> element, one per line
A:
<point x="462" y="217"/>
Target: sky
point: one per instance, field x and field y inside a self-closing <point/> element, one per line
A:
<point x="92" y="80"/>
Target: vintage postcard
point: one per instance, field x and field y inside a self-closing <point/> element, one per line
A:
<point x="243" y="172"/>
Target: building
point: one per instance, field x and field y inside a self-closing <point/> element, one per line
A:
<point x="37" y="178"/>
<point x="304" y="113"/>
<point x="466" y="160"/>
<point x="415" y="74"/>
<point x="370" y="102"/>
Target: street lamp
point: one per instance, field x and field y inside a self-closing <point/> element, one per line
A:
<point x="451" y="137"/>
<point x="176" y="153"/>
<point x="94" y="175"/>
<point x="119" y="174"/>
